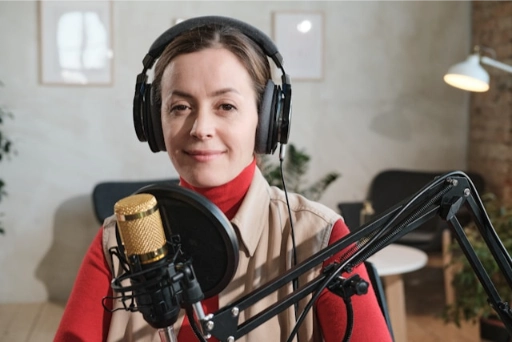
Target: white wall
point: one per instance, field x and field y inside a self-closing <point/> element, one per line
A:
<point x="382" y="104"/>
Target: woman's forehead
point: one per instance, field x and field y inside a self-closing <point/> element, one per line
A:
<point x="213" y="65"/>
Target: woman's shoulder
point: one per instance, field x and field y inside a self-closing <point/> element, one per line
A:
<point x="300" y="205"/>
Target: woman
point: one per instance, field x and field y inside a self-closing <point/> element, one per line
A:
<point x="209" y="82"/>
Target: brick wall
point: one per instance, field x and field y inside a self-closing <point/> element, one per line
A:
<point x="490" y="137"/>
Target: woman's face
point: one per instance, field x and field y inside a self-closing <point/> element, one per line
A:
<point x="209" y="116"/>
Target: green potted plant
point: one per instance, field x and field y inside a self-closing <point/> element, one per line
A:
<point x="5" y="149"/>
<point x="295" y="167"/>
<point x="470" y="302"/>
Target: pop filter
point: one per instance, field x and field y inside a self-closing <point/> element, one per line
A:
<point x="206" y="234"/>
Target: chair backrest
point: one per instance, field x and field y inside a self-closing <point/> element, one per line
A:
<point x="106" y="194"/>
<point x="351" y="213"/>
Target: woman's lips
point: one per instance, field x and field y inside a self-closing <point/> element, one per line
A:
<point x="204" y="156"/>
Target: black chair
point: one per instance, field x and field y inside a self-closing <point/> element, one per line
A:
<point x="106" y="194"/>
<point x="390" y="187"/>
<point x="351" y="213"/>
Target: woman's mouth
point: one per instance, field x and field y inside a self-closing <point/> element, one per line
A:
<point x="204" y="155"/>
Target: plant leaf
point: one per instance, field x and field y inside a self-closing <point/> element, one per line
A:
<point x="295" y="167"/>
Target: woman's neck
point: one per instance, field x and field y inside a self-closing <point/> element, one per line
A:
<point x="228" y="197"/>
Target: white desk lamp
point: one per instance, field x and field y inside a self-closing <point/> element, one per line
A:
<point x="470" y="75"/>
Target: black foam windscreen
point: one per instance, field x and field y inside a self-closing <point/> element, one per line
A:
<point x="206" y="234"/>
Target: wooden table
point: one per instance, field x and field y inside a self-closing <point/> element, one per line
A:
<point x="391" y="262"/>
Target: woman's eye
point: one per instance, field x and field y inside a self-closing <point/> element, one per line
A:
<point x="227" y="107"/>
<point x="179" y="108"/>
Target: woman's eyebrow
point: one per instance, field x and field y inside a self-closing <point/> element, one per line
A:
<point x="224" y="91"/>
<point x="181" y="94"/>
<point x="186" y="95"/>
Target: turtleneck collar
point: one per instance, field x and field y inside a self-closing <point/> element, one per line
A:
<point x="228" y="197"/>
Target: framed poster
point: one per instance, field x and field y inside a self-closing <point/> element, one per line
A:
<point x="75" y="42"/>
<point x="299" y="37"/>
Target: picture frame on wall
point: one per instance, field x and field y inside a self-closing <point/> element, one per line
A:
<point x="75" y="43"/>
<point x="299" y="37"/>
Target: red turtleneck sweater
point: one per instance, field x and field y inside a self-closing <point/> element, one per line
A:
<point x="85" y="319"/>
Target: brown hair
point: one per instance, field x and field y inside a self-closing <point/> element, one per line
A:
<point x="247" y="51"/>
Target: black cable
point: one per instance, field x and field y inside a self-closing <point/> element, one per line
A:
<point x="350" y="319"/>
<point x="294" y="246"/>
<point x="313" y="299"/>
<point x="295" y="281"/>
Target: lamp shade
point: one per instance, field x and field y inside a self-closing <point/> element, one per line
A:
<point x="468" y="75"/>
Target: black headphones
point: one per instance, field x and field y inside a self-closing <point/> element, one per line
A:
<point x="275" y="107"/>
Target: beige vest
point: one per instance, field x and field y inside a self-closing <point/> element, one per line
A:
<point x="262" y="226"/>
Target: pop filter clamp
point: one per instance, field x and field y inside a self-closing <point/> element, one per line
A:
<point x="444" y="196"/>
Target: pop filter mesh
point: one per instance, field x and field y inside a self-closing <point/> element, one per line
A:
<point x="206" y="234"/>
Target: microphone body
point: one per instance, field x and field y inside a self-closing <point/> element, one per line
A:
<point x="152" y="274"/>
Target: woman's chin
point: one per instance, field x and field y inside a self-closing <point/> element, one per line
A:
<point x="206" y="181"/>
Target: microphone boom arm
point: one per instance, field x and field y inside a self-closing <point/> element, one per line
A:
<point x="444" y="196"/>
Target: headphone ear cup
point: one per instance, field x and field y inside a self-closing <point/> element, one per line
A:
<point x="154" y="130"/>
<point x="265" y="132"/>
<point x="138" y="114"/>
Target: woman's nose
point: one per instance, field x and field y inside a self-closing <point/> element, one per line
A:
<point x="203" y="127"/>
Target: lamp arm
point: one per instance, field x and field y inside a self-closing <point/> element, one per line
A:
<point x="499" y="65"/>
<point x="444" y="197"/>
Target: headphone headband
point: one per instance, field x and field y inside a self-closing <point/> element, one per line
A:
<point x="252" y="32"/>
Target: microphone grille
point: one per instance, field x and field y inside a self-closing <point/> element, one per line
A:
<point x="140" y="227"/>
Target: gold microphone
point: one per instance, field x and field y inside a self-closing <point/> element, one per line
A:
<point x="141" y="228"/>
<point x="142" y="234"/>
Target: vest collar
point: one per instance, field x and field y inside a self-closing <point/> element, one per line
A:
<point x="252" y="216"/>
